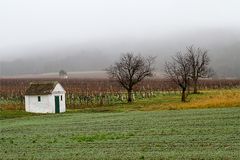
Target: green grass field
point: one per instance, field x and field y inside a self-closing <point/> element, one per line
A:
<point x="176" y="134"/>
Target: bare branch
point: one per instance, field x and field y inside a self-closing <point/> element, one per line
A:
<point x="130" y="70"/>
<point x="178" y="70"/>
<point x="199" y="60"/>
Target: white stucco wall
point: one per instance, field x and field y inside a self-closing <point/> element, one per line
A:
<point x="27" y="104"/>
<point x="33" y="105"/>
<point x="47" y="103"/>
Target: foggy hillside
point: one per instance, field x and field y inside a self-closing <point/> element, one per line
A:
<point x="223" y="46"/>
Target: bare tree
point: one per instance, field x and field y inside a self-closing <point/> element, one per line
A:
<point x="130" y="70"/>
<point x="199" y="60"/>
<point x="178" y="71"/>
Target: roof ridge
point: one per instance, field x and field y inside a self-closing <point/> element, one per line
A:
<point x="44" y="82"/>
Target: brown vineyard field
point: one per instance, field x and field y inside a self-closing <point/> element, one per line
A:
<point x="94" y="93"/>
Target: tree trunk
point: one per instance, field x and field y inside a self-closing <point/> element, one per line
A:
<point x="184" y="95"/>
<point x="188" y="88"/>
<point x="195" y="89"/>
<point x="129" y="96"/>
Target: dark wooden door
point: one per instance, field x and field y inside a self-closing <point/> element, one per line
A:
<point x="57" y="104"/>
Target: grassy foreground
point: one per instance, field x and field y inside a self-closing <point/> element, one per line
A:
<point x="176" y="134"/>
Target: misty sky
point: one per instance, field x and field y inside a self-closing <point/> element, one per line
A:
<point x="29" y="23"/>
